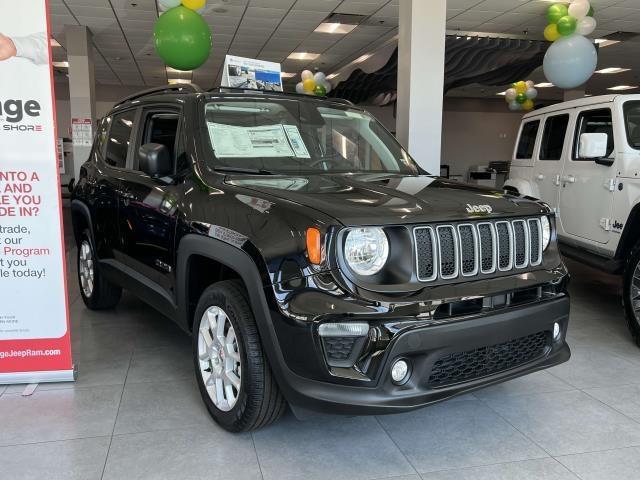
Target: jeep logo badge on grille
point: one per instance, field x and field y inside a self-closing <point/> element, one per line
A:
<point x="479" y="208"/>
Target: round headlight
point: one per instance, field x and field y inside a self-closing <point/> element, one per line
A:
<point x="546" y="232"/>
<point x="366" y="250"/>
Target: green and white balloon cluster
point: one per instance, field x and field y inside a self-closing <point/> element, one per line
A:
<point x="521" y="95"/>
<point x="313" y="84"/>
<point x="572" y="58"/>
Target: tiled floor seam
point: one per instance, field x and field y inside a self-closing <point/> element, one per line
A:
<point x="255" y="450"/>
<point x="396" y="445"/>
<point x="115" y="422"/>
<point x="44" y="442"/>
<point x="610" y="406"/>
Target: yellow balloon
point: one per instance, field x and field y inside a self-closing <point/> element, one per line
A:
<point x="309" y="84"/>
<point x="528" y="104"/>
<point x="551" y="32"/>
<point x="194" y="4"/>
<point x="521" y="87"/>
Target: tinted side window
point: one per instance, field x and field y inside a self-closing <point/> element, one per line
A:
<point x="102" y="136"/>
<point x="593" y="121"/>
<point x="162" y="128"/>
<point x="119" y="138"/>
<point x="555" y="129"/>
<point x="527" y="139"/>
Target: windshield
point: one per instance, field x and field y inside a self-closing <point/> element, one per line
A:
<point x="293" y="136"/>
<point x="632" y="123"/>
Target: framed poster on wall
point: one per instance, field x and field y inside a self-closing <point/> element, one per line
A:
<point x="34" y="316"/>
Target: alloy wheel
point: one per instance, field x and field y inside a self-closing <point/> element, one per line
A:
<point x="86" y="269"/>
<point x="219" y="358"/>
<point x="634" y="292"/>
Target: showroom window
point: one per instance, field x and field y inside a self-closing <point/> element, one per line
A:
<point x="527" y="139"/>
<point x="162" y="128"/>
<point x="594" y="121"/>
<point x="119" y="138"/>
<point x="555" y="130"/>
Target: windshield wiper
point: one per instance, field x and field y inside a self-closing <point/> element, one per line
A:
<point x="253" y="171"/>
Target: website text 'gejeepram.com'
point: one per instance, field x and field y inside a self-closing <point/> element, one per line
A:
<point x="29" y="353"/>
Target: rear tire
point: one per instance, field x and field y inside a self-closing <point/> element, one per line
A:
<point x="631" y="293"/>
<point x="96" y="291"/>
<point x="233" y="374"/>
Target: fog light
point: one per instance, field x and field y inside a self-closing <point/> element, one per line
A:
<point x="399" y="371"/>
<point x="556" y="331"/>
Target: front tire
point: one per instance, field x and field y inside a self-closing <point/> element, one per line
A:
<point x="96" y="291"/>
<point x="631" y="293"/>
<point x="233" y="374"/>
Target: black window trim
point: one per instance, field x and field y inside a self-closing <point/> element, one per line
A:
<point x="145" y="112"/>
<point x="134" y="130"/>
<point x="576" y="130"/>
<point x="535" y="140"/>
<point x="564" y="139"/>
<point x="626" y="124"/>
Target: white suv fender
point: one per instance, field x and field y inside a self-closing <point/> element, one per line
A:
<point x="523" y="187"/>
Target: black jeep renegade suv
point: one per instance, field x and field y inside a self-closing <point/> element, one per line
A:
<point x="313" y="261"/>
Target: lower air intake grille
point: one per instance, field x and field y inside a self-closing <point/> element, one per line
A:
<point x="481" y="362"/>
<point x="338" y="348"/>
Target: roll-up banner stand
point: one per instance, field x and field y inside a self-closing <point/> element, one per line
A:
<point x="35" y="344"/>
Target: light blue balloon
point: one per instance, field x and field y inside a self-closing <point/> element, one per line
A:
<point x="514" y="106"/>
<point x="570" y="61"/>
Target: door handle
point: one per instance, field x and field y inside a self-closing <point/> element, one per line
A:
<point x="540" y="176"/>
<point x="556" y="181"/>
<point x="569" y="179"/>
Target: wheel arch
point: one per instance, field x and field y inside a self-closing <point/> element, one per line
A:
<point x="630" y="234"/>
<point x="81" y="220"/>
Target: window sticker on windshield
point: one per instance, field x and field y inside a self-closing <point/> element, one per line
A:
<point x="263" y="141"/>
<point x="296" y="141"/>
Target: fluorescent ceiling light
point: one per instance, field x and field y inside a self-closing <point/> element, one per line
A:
<point x="173" y="81"/>
<point x="287" y="74"/>
<point x="336" y="28"/>
<point x="544" y="85"/>
<point x="613" y="70"/>
<point x="363" y="58"/>
<point x="604" y="42"/>
<point x="303" y="56"/>
<point x="173" y="70"/>
<point x="622" y="87"/>
<point x="61" y="64"/>
<point x="502" y="93"/>
<point x="53" y="42"/>
<point x="333" y="75"/>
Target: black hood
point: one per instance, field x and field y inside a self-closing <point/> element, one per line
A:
<point x="375" y="199"/>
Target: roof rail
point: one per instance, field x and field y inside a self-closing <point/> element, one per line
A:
<point x="221" y="89"/>
<point x="173" y="88"/>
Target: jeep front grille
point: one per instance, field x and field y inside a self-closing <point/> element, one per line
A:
<point x="481" y="248"/>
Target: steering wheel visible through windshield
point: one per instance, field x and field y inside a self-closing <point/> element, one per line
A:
<point x="300" y="136"/>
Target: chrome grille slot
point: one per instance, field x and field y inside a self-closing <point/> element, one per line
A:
<point x="447" y="251"/>
<point x="470" y="249"/>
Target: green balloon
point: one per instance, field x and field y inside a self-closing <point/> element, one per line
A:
<point x="320" y="91"/>
<point x="521" y="98"/>
<point x="556" y="11"/>
<point x="590" y="12"/>
<point x="567" y="25"/>
<point x="182" y="38"/>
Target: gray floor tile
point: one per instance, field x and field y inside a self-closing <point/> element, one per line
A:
<point x="456" y="435"/>
<point x="568" y="422"/>
<point x="625" y="399"/>
<point x="161" y="364"/>
<point x="160" y="406"/>
<point x="58" y="414"/>
<point x="3" y="388"/>
<point x="81" y="459"/>
<point x="192" y="453"/>
<point x="533" y="383"/>
<point x="540" y="469"/>
<point x="621" y="464"/>
<point x="336" y="448"/>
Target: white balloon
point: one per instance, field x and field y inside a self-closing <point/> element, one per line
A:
<point x="167" y="4"/>
<point x="570" y="61"/>
<point x="510" y="95"/>
<point x="327" y="85"/>
<point x="300" y="88"/>
<point x="531" y="93"/>
<point x="307" y="75"/>
<point x="319" y="77"/>
<point x="515" y="106"/>
<point x="579" y="8"/>
<point x="586" y="26"/>
<point x="529" y="83"/>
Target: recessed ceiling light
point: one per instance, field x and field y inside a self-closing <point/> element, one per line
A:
<point x="336" y="28"/>
<point x="544" y="85"/>
<point x="61" y="64"/>
<point x="613" y="70"/>
<point x="287" y="74"/>
<point x="173" y="70"/>
<point x="502" y="93"/>
<point x="303" y="56"/>
<point x="622" y="87"/>
<point x="54" y="43"/>
<point x="173" y="81"/>
<point x="605" y="42"/>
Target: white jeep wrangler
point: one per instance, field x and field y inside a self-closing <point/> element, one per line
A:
<point x="583" y="158"/>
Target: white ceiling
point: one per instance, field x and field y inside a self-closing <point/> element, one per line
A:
<point x="272" y="29"/>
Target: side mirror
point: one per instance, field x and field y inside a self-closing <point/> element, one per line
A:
<point x="155" y="160"/>
<point x="593" y="145"/>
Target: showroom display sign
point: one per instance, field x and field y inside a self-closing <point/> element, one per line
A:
<point x="252" y="74"/>
<point x="34" y="316"/>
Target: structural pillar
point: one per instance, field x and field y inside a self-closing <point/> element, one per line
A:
<point x="82" y="87"/>
<point x="421" y="50"/>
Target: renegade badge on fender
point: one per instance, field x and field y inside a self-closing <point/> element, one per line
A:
<point x="313" y="261"/>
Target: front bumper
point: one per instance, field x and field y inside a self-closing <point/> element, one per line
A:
<point x="478" y="340"/>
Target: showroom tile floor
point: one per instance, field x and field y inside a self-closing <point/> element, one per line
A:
<point x="135" y="412"/>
